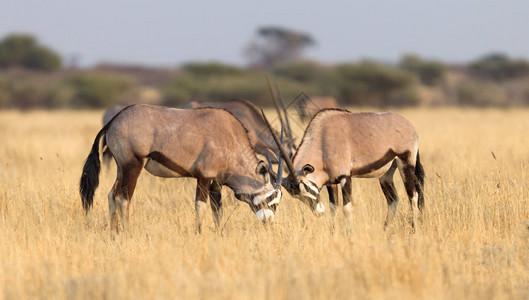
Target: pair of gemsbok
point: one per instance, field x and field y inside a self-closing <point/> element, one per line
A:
<point x="213" y="146"/>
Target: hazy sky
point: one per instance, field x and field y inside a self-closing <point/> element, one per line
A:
<point x="172" y="32"/>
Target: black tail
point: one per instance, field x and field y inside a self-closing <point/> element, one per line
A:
<point x="419" y="184"/>
<point x="90" y="177"/>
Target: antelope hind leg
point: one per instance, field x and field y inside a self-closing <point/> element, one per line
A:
<point x="201" y="199"/>
<point x="388" y="188"/>
<point x="407" y="171"/>
<point x="347" y="208"/>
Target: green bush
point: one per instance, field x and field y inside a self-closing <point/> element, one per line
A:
<point x="5" y="97"/>
<point x="304" y="72"/>
<point x="248" y="84"/>
<point x="212" y="69"/>
<point x="314" y="78"/>
<point x="499" y="67"/>
<point x="24" y="51"/>
<point x="479" y="93"/>
<point x="42" y="58"/>
<point x="365" y="83"/>
<point x="374" y="84"/>
<point x="430" y="72"/>
<point x="27" y="95"/>
<point x="96" y="90"/>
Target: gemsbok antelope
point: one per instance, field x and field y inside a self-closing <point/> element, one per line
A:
<point x="208" y="144"/>
<point x="339" y="145"/>
<point x="307" y="107"/>
<point x="250" y="116"/>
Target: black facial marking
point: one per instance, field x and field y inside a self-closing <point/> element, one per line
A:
<point x="312" y="192"/>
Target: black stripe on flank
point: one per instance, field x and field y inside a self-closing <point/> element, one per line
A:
<point x="171" y="165"/>
<point x="390" y="155"/>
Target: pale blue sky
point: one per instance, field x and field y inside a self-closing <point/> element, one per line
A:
<point x="173" y="32"/>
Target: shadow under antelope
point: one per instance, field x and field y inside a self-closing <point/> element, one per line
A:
<point x="339" y="145"/>
<point x="208" y="144"/>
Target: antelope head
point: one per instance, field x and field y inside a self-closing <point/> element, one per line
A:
<point x="296" y="183"/>
<point x="264" y="201"/>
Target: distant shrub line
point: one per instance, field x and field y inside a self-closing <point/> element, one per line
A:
<point x="31" y="77"/>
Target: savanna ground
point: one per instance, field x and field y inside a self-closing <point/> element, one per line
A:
<point x="472" y="243"/>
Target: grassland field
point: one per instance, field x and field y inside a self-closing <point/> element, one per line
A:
<point x="472" y="241"/>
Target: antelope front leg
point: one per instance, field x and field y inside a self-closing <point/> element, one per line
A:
<point x="201" y="199"/>
<point x="215" y="198"/>
<point x="346" y="194"/>
<point x="332" y="190"/>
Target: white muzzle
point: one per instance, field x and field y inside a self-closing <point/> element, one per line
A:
<point x="265" y="215"/>
<point x="320" y="209"/>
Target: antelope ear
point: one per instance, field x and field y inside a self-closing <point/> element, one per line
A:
<point x="262" y="170"/>
<point x="307" y="169"/>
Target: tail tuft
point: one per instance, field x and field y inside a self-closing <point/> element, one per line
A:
<point x="90" y="176"/>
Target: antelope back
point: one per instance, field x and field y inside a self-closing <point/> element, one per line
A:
<point x="249" y="115"/>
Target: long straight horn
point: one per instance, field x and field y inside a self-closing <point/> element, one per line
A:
<point x="281" y="149"/>
<point x="285" y="114"/>
<point x="280" y="164"/>
<point x="274" y="99"/>
<point x="273" y="176"/>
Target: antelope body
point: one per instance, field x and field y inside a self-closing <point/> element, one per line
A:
<point x="107" y="116"/>
<point x="208" y="144"/>
<point x="339" y="145"/>
<point x="250" y="116"/>
<point x="308" y="107"/>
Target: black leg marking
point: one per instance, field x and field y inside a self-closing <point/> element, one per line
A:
<point x="410" y="183"/>
<point x="201" y="198"/>
<point x="419" y="183"/>
<point x="332" y="195"/>
<point x="130" y="173"/>
<point x="215" y="198"/>
<point x="388" y="188"/>
<point x="346" y="195"/>
<point x="332" y="190"/>
<point x="387" y="185"/>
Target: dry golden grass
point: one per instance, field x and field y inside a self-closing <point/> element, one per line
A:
<point x="473" y="241"/>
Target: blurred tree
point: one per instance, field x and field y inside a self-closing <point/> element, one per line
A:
<point x="375" y="84"/>
<point x="276" y="45"/>
<point x="305" y="71"/>
<point x="96" y="90"/>
<point x="212" y="69"/>
<point x="21" y="50"/>
<point x="430" y="72"/>
<point x="497" y="66"/>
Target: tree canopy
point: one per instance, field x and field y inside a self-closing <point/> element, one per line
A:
<point x="22" y="50"/>
<point x="277" y="45"/>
